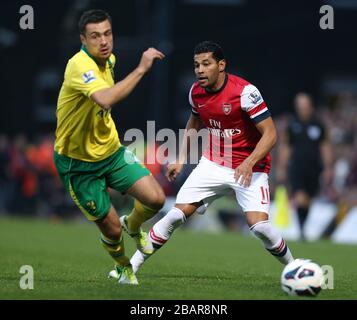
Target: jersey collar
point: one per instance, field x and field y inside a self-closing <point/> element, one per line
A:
<point x="221" y="88"/>
<point x="84" y="48"/>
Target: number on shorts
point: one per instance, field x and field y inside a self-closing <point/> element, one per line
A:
<point x="265" y="195"/>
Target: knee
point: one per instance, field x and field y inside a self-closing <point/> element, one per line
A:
<point x="157" y="200"/>
<point x="254" y="218"/>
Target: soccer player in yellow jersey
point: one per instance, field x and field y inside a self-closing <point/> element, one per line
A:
<point x="88" y="154"/>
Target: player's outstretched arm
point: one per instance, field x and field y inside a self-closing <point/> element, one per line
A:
<point x="107" y="97"/>
<point x="174" y="169"/>
<point x="243" y="173"/>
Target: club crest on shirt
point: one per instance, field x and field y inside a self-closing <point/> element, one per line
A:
<point x="255" y="96"/>
<point x="91" y="205"/>
<point x="227" y="108"/>
<point x="89" y="77"/>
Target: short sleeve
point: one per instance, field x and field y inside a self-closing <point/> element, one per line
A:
<point x="252" y="102"/>
<point x="193" y="107"/>
<point x="86" y="79"/>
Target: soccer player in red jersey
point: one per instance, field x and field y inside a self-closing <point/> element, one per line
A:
<point x="241" y="134"/>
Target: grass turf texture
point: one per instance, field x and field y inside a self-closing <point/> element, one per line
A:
<point x="69" y="263"/>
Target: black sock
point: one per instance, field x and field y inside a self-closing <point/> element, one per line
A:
<point x="302" y="214"/>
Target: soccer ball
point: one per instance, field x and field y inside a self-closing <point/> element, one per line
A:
<point x="302" y="277"/>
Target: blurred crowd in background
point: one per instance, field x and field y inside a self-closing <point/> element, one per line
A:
<point x="29" y="184"/>
<point x="279" y="49"/>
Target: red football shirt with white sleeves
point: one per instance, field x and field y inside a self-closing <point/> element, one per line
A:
<point x="230" y="115"/>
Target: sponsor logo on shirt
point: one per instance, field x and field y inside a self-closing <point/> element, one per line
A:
<point x="89" y="77"/>
<point x="255" y="97"/>
<point x="223" y="133"/>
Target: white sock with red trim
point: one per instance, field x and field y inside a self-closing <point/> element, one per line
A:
<point x="272" y="241"/>
<point x="159" y="234"/>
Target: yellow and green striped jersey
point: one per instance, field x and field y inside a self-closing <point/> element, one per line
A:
<point x="85" y="131"/>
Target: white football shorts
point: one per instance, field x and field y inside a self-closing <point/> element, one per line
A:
<point x="209" y="181"/>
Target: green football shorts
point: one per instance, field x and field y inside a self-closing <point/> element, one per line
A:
<point x="87" y="182"/>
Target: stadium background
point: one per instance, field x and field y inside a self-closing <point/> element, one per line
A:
<point x="277" y="45"/>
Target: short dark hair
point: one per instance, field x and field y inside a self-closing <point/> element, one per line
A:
<point x="210" y="46"/>
<point x="92" y="16"/>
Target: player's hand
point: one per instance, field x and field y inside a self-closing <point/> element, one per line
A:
<point x="173" y="170"/>
<point x="148" y="57"/>
<point x="243" y="174"/>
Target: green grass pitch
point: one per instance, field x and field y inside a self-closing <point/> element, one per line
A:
<point x="69" y="263"/>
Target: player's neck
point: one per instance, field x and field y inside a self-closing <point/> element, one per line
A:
<point x="101" y="62"/>
<point x="220" y="84"/>
<point x="98" y="61"/>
